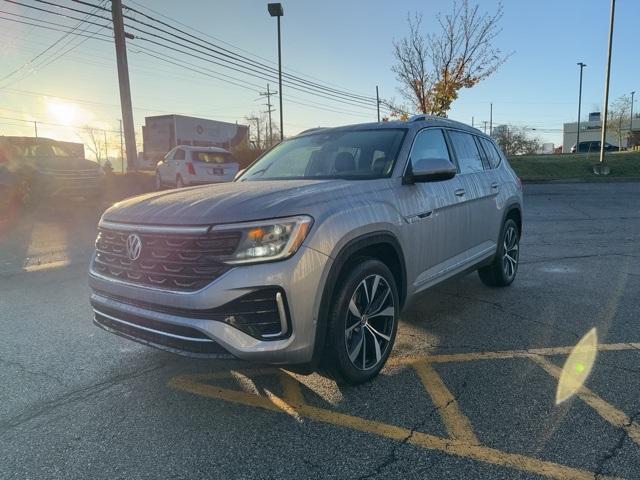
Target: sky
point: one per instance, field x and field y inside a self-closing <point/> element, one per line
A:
<point x="345" y="44"/>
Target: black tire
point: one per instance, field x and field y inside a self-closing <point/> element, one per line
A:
<point x="179" y="182"/>
<point x="158" y="182"/>
<point x="346" y="330"/>
<point x="502" y="270"/>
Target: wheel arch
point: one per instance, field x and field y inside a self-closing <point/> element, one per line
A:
<point x="375" y="245"/>
<point x="514" y="211"/>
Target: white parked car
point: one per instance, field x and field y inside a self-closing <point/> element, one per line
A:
<point x="185" y="166"/>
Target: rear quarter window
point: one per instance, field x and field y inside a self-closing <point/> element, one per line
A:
<point x="492" y="152"/>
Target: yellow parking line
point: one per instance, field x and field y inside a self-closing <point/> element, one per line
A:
<point x="449" y="446"/>
<point x="456" y="423"/>
<point x="504" y="354"/>
<point x="608" y="412"/>
<point x="293" y="404"/>
<point x="189" y="383"/>
<point x="291" y="388"/>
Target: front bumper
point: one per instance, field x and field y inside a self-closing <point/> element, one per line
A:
<point x="152" y="315"/>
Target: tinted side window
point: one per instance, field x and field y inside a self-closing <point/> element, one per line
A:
<point x="179" y="155"/>
<point x="492" y="154"/>
<point x="469" y="159"/>
<point x="430" y="143"/>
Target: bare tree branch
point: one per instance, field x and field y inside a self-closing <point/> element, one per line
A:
<point x="432" y="70"/>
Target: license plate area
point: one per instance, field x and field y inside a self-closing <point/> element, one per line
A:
<point x="216" y="171"/>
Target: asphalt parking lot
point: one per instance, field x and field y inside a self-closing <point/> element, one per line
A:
<point x="469" y="392"/>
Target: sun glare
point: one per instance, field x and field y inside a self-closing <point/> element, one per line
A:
<point x="63" y="112"/>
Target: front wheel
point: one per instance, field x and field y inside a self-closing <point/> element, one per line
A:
<point x="158" y="182"/>
<point x="362" y="323"/>
<point x="503" y="269"/>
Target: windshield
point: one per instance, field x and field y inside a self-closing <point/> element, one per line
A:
<point x="353" y="154"/>
<point x="38" y="149"/>
<point x="211" y="157"/>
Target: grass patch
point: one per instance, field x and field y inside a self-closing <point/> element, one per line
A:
<point x="575" y="166"/>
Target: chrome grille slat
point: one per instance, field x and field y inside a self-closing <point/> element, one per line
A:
<point x="173" y="261"/>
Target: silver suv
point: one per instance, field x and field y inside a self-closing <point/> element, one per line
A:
<point x="307" y="259"/>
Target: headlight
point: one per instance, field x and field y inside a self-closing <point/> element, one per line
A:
<point x="267" y="240"/>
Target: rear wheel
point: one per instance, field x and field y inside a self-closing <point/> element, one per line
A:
<point x="503" y="269"/>
<point x="362" y="323"/>
<point x="179" y="182"/>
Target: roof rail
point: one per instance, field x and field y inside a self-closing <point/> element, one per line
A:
<point x="315" y="129"/>
<point x="419" y="118"/>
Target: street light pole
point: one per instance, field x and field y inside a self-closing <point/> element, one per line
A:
<point x="276" y="10"/>
<point x="491" y="119"/>
<point x="582" y="65"/>
<point x="605" y="108"/>
<point x="631" y="119"/>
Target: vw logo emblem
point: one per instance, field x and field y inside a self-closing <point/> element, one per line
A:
<point x="134" y="247"/>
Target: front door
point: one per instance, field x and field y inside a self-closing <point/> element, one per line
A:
<point x="434" y="216"/>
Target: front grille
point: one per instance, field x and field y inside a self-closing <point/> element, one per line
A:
<point x="168" y="261"/>
<point x="176" y="338"/>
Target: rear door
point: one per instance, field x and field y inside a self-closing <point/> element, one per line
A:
<point x="165" y="168"/>
<point x="478" y="195"/>
<point x="495" y="176"/>
<point x="434" y="216"/>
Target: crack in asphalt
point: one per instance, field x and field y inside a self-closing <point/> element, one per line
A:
<point x="500" y="307"/>
<point x="35" y="373"/>
<point x="72" y="397"/>
<point x="575" y="257"/>
<point x="392" y="457"/>
<point x="616" y="448"/>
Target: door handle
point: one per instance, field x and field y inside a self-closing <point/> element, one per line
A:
<point x="495" y="186"/>
<point x="459" y="192"/>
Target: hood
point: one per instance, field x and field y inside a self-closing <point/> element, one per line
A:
<point x="232" y="202"/>
<point x="64" y="163"/>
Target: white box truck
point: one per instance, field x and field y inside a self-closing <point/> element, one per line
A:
<point x="163" y="132"/>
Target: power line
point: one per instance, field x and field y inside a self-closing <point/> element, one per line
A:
<point x="107" y="39"/>
<point x="235" y="46"/>
<point x="233" y="55"/>
<point x="89" y="14"/>
<point x="240" y="67"/>
<point x="50" y="47"/>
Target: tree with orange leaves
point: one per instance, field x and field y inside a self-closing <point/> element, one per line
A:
<point x="433" y="68"/>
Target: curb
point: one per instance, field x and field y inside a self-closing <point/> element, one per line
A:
<point x="582" y="180"/>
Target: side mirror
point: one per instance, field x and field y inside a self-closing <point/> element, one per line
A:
<point x="429" y="170"/>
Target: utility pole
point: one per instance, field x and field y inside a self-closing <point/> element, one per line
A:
<point x="378" y="102"/>
<point x="582" y="65"/>
<point x="35" y="127"/>
<point x="257" y="120"/>
<point x="268" y="94"/>
<point x="485" y="127"/>
<point x="605" y="107"/>
<point x="631" y="120"/>
<point x="490" y="118"/>
<point x="472" y="125"/>
<point x="121" y="149"/>
<point x="106" y="148"/>
<point x="123" y="79"/>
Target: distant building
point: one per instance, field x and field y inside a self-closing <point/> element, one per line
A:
<point x="592" y="130"/>
<point x="163" y="132"/>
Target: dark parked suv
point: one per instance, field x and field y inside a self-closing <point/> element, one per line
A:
<point x="308" y="257"/>
<point x="593" y="146"/>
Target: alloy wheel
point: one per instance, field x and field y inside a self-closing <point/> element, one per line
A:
<point x="369" y="322"/>
<point x="511" y="252"/>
